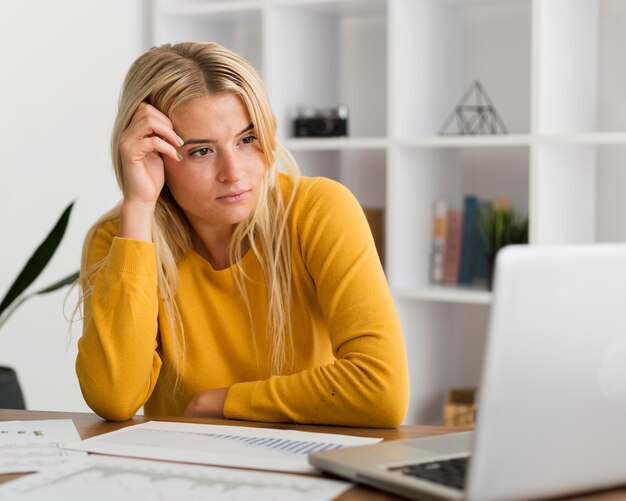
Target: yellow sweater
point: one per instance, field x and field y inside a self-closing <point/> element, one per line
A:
<point x="350" y="362"/>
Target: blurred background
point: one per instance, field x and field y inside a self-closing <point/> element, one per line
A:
<point x="63" y="63"/>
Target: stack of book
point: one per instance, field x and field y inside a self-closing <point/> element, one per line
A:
<point x="458" y="253"/>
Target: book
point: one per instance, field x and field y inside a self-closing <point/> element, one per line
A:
<point x="479" y="269"/>
<point x="438" y="242"/>
<point x="470" y="236"/>
<point x="454" y="242"/>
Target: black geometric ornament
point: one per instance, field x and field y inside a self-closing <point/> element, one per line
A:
<point x="474" y="117"/>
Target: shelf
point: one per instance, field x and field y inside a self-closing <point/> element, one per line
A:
<point x="551" y="68"/>
<point x="446" y="294"/>
<point x="465" y="3"/>
<point x="470" y="141"/>
<point x="335" y="7"/>
<point x="335" y="143"/>
<point x="193" y="9"/>
<point x="587" y="138"/>
<point x="376" y="143"/>
<point x="467" y="141"/>
<point x="506" y="140"/>
<point x="329" y="7"/>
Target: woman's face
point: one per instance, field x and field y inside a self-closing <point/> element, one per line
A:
<point x="218" y="180"/>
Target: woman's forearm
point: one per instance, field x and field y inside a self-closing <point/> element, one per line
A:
<point x="117" y="363"/>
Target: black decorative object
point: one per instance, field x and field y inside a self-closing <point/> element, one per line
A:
<point x="474" y="116"/>
<point x="321" y="122"/>
<point x="10" y="391"/>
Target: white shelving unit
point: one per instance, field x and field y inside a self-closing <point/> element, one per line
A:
<point x="555" y="72"/>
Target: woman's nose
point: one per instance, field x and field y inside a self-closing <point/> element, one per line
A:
<point x="229" y="169"/>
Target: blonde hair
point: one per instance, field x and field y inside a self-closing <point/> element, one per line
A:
<point x="167" y="77"/>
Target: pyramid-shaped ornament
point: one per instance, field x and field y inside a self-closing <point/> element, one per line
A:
<point x="475" y="114"/>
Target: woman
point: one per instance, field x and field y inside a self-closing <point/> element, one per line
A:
<point x="220" y="287"/>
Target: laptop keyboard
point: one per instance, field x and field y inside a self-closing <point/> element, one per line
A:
<point x="448" y="472"/>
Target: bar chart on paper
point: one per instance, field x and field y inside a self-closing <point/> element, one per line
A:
<point x="238" y="446"/>
<point x="122" y="479"/>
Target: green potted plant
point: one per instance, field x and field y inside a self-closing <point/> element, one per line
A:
<point x="501" y="225"/>
<point x="10" y="392"/>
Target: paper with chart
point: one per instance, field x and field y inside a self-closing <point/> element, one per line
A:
<point x="99" y="478"/>
<point x="27" y="446"/>
<point x="238" y="446"/>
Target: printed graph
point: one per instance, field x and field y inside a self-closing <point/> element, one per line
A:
<point x="221" y="442"/>
<point x="238" y="446"/>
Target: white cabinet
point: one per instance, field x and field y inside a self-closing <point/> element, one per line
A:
<point x="556" y="72"/>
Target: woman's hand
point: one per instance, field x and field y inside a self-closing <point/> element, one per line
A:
<point x="209" y="403"/>
<point x="142" y="145"/>
<point x="149" y="135"/>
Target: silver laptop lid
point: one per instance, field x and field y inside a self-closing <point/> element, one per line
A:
<point x="552" y="404"/>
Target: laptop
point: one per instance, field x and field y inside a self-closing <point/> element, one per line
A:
<point x="551" y="416"/>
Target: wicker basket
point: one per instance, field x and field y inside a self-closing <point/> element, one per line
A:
<point x="460" y="407"/>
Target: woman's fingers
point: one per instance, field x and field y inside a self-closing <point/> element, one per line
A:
<point x="148" y="121"/>
<point x="135" y="151"/>
<point x="158" y="145"/>
<point x="143" y="146"/>
<point x="150" y="126"/>
<point x="144" y="110"/>
<point x="148" y="135"/>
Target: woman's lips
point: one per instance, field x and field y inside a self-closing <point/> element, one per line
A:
<point x="234" y="197"/>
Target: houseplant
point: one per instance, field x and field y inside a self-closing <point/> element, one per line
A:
<point x="501" y="225"/>
<point x="10" y="391"/>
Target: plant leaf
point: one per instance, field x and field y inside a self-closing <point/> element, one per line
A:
<point x="60" y="283"/>
<point x="24" y="297"/>
<point x="502" y="226"/>
<point x="38" y="260"/>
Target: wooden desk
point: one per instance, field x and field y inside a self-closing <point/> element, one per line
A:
<point x="89" y="425"/>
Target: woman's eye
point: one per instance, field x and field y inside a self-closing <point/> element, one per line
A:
<point x="248" y="139"/>
<point x="202" y="152"/>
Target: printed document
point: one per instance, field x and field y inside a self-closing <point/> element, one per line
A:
<point x="236" y="446"/>
<point x="99" y="478"/>
<point x="27" y="446"/>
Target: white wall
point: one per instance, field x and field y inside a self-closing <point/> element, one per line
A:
<point x="63" y="63"/>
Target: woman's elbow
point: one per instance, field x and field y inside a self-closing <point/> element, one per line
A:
<point x="108" y="404"/>
<point x="111" y="411"/>
<point x="388" y="412"/>
<point x="384" y="405"/>
<point x="396" y="413"/>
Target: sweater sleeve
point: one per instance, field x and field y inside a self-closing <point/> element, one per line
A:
<point x="367" y="384"/>
<point x="117" y="363"/>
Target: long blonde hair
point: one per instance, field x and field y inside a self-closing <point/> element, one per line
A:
<point x="166" y="77"/>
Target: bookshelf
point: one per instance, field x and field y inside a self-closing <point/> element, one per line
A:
<point x="553" y="69"/>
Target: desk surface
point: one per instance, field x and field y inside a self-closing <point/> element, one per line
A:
<point x="89" y="425"/>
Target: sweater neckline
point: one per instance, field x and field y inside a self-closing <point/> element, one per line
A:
<point x="245" y="258"/>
